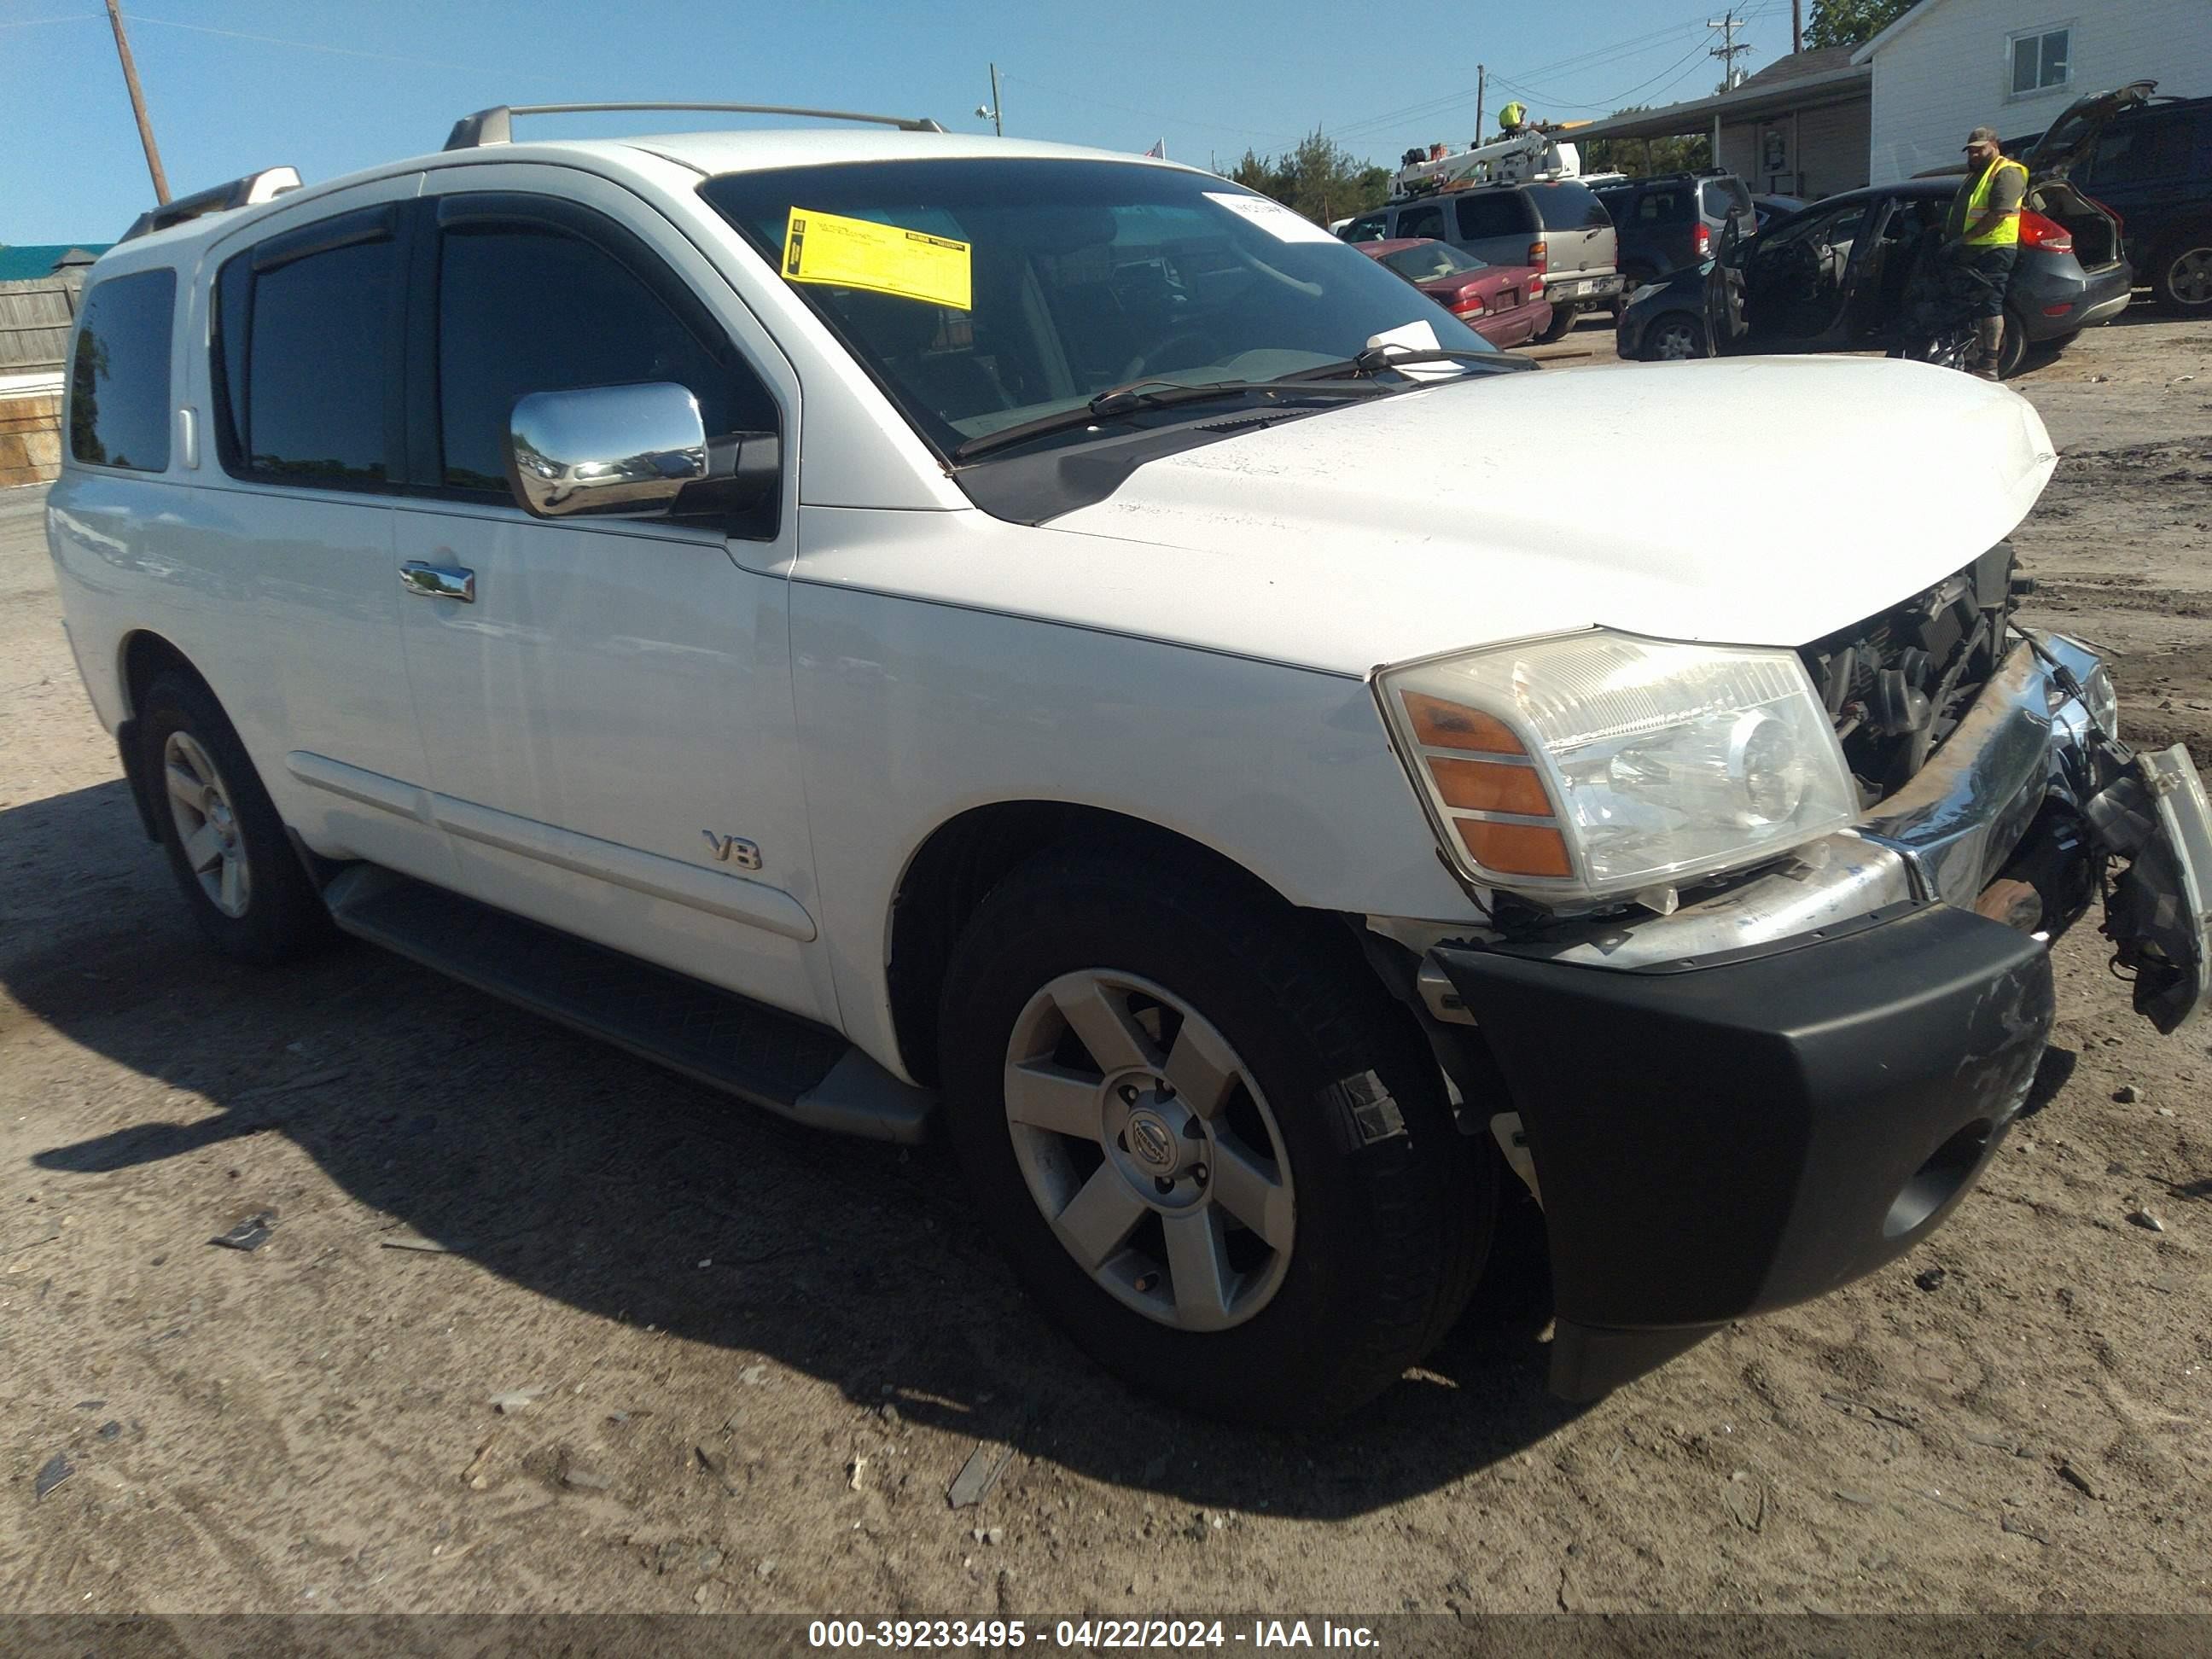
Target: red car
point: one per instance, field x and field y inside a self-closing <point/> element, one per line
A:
<point x="1504" y="304"/>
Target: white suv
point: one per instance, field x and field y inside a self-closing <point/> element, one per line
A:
<point x="906" y="626"/>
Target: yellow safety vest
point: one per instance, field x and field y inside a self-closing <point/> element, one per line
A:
<point x="2007" y="234"/>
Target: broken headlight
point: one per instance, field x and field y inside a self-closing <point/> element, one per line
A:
<point x="1599" y="764"/>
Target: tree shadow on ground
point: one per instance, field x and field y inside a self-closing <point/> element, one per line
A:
<point x="589" y="1177"/>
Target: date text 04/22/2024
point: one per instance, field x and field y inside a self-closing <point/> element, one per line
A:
<point x="1087" y="1635"/>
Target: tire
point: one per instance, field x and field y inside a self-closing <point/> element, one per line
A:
<point x="1376" y="1229"/>
<point x="2013" y="350"/>
<point x="2181" y="275"/>
<point x="1563" y="319"/>
<point x="249" y="894"/>
<point x="1673" y="336"/>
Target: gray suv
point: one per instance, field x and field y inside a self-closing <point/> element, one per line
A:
<point x="1558" y="226"/>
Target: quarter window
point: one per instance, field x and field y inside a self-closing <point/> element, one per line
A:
<point x="2041" y="60"/>
<point x="1503" y="214"/>
<point x="118" y="405"/>
<point x="526" y="306"/>
<point x="1422" y="221"/>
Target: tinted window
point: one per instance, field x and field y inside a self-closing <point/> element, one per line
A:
<point x="119" y="413"/>
<point x="1368" y="227"/>
<point x="2131" y="152"/>
<point x="523" y="308"/>
<point x="1566" y="206"/>
<point x="1421" y="222"/>
<point x="318" y="364"/>
<point x="1661" y="207"/>
<point x="1722" y="194"/>
<point x="1501" y="213"/>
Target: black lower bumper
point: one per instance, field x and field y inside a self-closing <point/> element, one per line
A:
<point x="1717" y="1140"/>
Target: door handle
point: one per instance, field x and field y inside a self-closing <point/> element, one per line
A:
<point x="435" y="581"/>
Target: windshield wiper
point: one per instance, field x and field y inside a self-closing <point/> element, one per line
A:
<point x="1117" y="402"/>
<point x="1373" y="361"/>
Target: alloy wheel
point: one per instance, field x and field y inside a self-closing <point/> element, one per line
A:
<point x="1149" y="1146"/>
<point x="2190" y="276"/>
<point x="1674" y="341"/>
<point x="207" y="824"/>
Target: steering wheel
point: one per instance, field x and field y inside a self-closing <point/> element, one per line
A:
<point x="1146" y="362"/>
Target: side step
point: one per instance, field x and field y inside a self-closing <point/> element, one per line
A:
<point x="772" y="1058"/>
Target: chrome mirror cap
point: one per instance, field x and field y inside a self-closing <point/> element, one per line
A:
<point x="627" y="450"/>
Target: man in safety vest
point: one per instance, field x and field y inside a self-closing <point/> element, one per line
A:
<point x="1981" y="240"/>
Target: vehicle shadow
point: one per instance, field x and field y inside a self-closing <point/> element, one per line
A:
<point x="591" y="1177"/>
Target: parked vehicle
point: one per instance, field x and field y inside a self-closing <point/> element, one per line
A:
<point x="1840" y="275"/>
<point x="1504" y="304"/>
<point x="1766" y="209"/>
<point x="1557" y="226"/>
<point x="1672" y="220"/>
<point x="436" y="544"/>
<point x="2152" y="167"/>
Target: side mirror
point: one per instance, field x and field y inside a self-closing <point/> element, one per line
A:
<point x="631" y="452"/>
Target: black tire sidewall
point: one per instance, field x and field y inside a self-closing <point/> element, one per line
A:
<point x="1371" y="1245"/>
<point x="2161" y="281"/>
<point x="284" y="914"/>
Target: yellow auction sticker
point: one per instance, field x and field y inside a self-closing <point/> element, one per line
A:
<point x="841" y="253"/>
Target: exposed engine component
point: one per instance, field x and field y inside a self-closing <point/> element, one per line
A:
<point x="1897" y="684"/>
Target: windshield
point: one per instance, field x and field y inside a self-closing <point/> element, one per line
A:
<point x="1426" y="261"/>
<point x="1014" y="289"/>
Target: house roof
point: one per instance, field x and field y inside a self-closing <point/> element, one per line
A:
<point x="1912" y="15"/>
<point x="1826" y="75"/>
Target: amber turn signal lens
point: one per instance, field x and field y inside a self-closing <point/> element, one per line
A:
<point x="1488" y="787"/>
<point x="1441" y="724"/>
<point x="1516" y="849"/>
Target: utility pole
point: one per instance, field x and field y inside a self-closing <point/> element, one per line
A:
<point x="993" y="111"/>
<point x="1481" y="83"/>
<point x="1727" y="23"/>
<point x="138" y="105"/>
<point x="1797" y="25"/>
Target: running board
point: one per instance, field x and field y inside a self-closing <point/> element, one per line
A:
<point x="774" y="1060"/>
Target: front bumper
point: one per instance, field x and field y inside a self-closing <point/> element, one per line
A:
<point x="1782" y="1086"/>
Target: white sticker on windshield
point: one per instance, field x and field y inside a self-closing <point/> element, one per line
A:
<point x="1284" y="224"/>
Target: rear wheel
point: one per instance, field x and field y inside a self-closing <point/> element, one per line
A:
<point x="249" y="895"/>
<point x="1215" y="1150"/>
<point x="1563" y="319"/>
<point x="1672" y="337"/>
<point x="2181" y="277"/>
<point x="2012" y="351"/>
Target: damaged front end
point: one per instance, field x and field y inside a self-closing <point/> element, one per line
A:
<point x="1792" y="1078"/>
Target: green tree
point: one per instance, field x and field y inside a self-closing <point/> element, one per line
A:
<point x="1850" y="22"/>
<point x="1640" y="158"/>
<point x="1320" y="178"/>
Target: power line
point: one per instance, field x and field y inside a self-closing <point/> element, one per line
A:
<point x="317" y="45"/>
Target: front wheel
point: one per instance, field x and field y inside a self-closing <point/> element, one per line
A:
<point x="1215" y="1150"/>
<point x="2181" y="278"/>
<point x="1674" y="337"/>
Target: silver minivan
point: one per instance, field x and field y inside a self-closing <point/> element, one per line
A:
<point x="1558" y="226"/>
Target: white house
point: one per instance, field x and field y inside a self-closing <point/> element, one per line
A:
<point x="1948" y="66"/>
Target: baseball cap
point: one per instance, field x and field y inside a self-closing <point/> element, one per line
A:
<point x="1980" y="136"/>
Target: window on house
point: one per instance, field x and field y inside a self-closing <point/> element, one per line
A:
<point x="2041" y="60"/>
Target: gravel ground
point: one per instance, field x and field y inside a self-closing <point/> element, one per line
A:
<point x="744" y="1362"/>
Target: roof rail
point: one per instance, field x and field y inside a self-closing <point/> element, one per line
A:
<point x="248" y="192"/>
<point x="496" y="125"/>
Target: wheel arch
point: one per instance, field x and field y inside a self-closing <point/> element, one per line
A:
<point x="140" y="656"/>
<point x="948" y="875"/>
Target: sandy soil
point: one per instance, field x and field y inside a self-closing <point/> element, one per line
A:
<point x="763" y="1354"/>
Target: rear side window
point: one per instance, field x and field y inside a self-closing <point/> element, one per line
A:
<point x="524" y="308"/>
<point x="1661" y="207"/>
<point x="1722" y="195"/>
<point x="2156" y="148"/>
<point x="1422" y="221"/>
<point x="119" y="404"/>
<point x="306" y="354"/>
<point x="1566" y="206"/>
<point x="1501" y="213"/>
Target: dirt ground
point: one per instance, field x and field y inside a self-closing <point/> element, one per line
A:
<point x="755" y="1357"/>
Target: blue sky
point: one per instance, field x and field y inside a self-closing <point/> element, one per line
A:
<point x="232" y="85"/>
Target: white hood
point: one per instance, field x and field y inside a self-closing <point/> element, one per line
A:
<point x="1749" y="501"/>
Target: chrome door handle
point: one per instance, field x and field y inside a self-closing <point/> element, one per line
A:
<point x="435" y="581"/>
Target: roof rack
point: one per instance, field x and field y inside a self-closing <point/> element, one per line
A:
<point x="496" y="125"/>
<point x="248" y="192"/>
